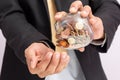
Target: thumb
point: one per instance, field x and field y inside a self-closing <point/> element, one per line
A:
<point x="93" y="21"/>
<point x="33" y="59"/>
<point x="33" y="62"/>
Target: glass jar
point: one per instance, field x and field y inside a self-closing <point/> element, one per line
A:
<point x="73" y="32"/>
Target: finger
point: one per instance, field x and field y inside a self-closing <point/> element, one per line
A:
<point x="86" y="12"/>
<point x="63" y="62"/>
<point x="34" y="62"/>
<point x="93" y="21"/>
<point x="40" y="76"/>
<point x="75" y="6"/>
<point x="60" y="15"/>
<point x="40" y="54"/>
<point x="53" y="64"/>
<point x="97" y="28"/>
<point x="29" y="63"/>
<point x="31" y="56"/>
<point x="42" y="66"/>
<point x="32" y="71"/>
<point x="42" y="50"/>
<point x="81" y="49"/>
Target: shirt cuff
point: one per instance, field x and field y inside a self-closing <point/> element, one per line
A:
<point x="99" y="42"/>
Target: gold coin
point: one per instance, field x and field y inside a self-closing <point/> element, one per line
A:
<point x="79" y="25"/>
<point x="71" y="40"/>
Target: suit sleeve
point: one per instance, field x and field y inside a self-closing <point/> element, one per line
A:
<point x="18" y="32"/>
<point x="109" y="12"/>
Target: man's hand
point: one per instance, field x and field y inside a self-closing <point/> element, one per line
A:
<point x="43" y="61"/>
<point x="86" y="12"/>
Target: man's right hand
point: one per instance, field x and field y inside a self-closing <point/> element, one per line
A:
<point x="43" y="61"/>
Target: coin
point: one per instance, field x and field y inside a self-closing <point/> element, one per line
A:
<point x="71" y="40"/>
<point x="79" y="25"/>
<point x="63" y="43"/>
<point x="73" y="32"/>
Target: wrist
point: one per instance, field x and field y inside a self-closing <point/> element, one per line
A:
<point x="102" y="37"/>
<point x="100" y="41"/>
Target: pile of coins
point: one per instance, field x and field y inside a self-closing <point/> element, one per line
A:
<point x="73" y="32"/>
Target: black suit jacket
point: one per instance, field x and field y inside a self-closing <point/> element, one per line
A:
<point x="26" y="21"/>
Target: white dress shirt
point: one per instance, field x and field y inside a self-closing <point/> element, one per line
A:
<point x="72" y="72"/>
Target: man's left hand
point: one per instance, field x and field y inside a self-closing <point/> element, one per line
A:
<point x="86" y="12"/>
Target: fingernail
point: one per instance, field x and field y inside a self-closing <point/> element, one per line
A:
<point x="64" y="55"/>
<point x="84" y="13"/>
<point x="57" y="55"/>
<point x="73" y="9"/>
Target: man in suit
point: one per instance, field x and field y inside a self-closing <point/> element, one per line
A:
<point x="30" y="54"/>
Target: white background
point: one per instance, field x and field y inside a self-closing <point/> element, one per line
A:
<point x="110" y="61"/>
